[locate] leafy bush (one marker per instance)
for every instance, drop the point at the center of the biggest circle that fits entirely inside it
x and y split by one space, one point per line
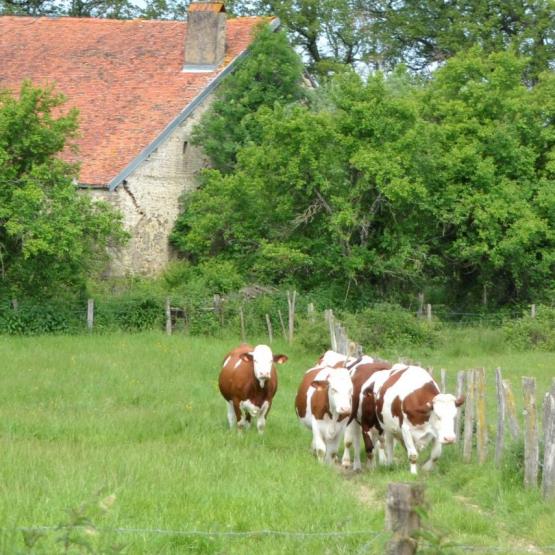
533 333
389 325
313 336
36 318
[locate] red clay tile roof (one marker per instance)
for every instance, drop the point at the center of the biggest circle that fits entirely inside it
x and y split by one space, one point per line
125 76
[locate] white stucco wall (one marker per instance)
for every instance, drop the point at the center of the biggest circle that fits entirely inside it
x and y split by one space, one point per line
149 200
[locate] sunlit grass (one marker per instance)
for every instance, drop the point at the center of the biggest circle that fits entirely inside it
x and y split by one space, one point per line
141 416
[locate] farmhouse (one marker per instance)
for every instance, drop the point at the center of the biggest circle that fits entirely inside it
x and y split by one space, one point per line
140 87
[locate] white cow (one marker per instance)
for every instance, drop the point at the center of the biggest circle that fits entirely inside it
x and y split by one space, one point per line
323 404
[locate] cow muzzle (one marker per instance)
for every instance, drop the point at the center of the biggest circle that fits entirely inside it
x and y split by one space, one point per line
448 439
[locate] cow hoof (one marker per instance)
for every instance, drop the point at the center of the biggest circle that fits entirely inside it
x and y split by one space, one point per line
346 466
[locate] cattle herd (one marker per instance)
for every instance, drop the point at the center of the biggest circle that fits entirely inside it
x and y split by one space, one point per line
346 397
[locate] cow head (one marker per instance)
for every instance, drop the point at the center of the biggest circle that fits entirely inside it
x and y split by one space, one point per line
340 391
444 408
263 360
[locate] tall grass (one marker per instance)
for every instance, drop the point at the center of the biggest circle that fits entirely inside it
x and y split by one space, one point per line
140 416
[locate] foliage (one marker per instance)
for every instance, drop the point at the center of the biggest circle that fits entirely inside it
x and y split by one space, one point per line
270 74
337 34
51 236
395 186
533 333
388 325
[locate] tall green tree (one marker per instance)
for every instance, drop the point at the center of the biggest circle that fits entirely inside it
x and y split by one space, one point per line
392 185
51 236
271 73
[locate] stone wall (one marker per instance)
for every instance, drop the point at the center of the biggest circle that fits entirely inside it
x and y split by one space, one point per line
149 201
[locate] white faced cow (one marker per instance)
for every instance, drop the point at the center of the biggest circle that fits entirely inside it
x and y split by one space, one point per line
323 405
248 382
405 402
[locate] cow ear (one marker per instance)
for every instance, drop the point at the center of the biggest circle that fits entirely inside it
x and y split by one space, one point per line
246 357
320 385
425 409
460 400
280 359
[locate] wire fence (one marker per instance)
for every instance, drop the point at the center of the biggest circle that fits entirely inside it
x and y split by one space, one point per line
260 313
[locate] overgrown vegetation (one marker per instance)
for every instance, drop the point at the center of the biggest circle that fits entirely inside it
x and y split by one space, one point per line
389 187
52 237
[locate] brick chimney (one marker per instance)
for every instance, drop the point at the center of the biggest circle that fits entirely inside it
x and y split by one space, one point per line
205 40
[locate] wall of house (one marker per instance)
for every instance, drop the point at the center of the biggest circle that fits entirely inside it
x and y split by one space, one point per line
149 201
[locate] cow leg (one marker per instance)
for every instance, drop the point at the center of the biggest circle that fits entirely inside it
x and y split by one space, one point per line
348 440
388 448
231 414
318 444
368 443
261 421
382 460
411 449
434 455
332 447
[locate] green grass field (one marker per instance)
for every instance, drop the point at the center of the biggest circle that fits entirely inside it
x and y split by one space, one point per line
141 417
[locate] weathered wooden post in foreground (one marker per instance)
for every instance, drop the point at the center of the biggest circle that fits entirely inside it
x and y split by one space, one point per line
401 518
458 394
531 448
500 440
481 420
548 477
269 326
328 315
468 417
510 407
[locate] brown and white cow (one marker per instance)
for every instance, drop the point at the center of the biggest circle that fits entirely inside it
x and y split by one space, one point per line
323 404
248 382
406 404
359 426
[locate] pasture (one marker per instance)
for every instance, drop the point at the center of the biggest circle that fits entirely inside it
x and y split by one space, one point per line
140 417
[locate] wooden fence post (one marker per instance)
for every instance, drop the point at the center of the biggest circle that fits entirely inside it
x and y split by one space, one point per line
500 439
90 314
401 518
546 414
443 380
218 309
458 394
429 312
330 319
242 320
291 305
468 417
533 311
168 317
420 304
269 325
311 312
548 477
15 305
282 325
481 420
531 448
510 407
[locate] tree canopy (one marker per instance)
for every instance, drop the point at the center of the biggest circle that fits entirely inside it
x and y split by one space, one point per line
51 236
393 185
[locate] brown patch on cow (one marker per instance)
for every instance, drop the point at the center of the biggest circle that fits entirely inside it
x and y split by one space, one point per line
397 409
360 376
237 381
300 399
340 364
390 382
415 404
